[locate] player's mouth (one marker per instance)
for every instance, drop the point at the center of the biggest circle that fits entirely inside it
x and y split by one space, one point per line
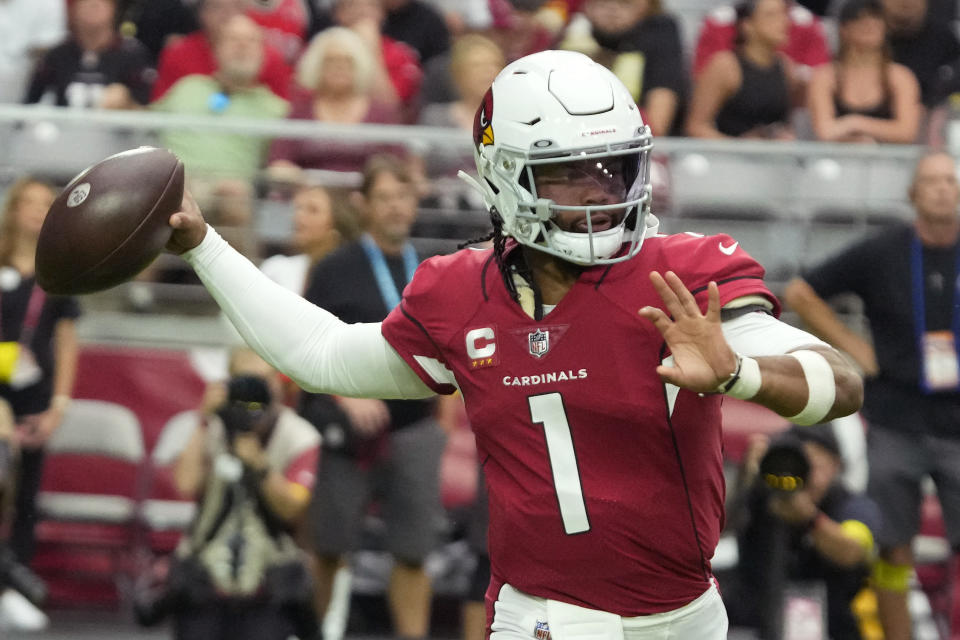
599 220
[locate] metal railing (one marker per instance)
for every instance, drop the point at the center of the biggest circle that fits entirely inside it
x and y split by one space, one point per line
787 202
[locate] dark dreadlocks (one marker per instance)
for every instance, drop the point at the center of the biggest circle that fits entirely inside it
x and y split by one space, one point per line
500 252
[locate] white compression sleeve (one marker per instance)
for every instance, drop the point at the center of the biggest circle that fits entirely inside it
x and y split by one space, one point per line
316 349
760 334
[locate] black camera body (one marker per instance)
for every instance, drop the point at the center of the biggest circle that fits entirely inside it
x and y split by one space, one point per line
238 419
247 407
785 467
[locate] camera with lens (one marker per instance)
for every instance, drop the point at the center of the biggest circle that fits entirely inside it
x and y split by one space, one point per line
785 467
247 405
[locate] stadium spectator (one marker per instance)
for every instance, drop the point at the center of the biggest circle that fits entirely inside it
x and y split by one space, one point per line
38 344
747 92
395 446
234 89
251 465
419 25
17 613
597 414
397 74
194 53
338 75
641 45
96 67
27 28
156 23
806 43
286 23
518 29
920 43
824 531
864 96
465 15
514 27
319 227
474 62
905 278
221 166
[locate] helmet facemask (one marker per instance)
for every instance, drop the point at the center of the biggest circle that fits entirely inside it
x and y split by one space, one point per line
585 206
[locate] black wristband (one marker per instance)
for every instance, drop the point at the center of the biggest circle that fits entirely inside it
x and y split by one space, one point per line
732 380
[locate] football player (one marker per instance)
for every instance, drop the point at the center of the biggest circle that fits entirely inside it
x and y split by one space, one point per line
592 352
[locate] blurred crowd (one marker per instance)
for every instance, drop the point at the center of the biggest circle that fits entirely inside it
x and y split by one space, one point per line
862 71
426 61
882 71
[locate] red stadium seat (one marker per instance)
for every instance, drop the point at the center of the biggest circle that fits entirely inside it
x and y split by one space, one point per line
87 504
164 512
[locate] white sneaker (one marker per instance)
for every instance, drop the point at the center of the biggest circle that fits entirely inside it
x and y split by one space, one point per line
19 614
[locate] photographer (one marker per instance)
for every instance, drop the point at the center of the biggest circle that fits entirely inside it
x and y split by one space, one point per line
238 573
796 522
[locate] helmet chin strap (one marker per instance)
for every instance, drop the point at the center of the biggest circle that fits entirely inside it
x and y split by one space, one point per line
577 245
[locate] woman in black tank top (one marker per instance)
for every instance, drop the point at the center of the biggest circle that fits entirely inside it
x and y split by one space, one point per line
864 96
746 92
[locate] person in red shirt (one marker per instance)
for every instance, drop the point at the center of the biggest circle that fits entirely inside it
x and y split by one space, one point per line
592 354
806 43
398 61
193 54
286 24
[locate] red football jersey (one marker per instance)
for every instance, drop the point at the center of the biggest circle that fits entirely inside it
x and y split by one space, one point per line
606 487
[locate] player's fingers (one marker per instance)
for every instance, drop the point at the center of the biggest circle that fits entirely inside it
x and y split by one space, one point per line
666 294
687 301
669 374
713 302
659 319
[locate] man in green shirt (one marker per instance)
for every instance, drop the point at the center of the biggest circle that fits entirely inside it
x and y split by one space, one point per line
232 91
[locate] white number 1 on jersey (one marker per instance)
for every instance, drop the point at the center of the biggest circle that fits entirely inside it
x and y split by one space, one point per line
549 411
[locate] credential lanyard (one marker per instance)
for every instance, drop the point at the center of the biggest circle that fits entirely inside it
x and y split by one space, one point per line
388 288
32 318
920 309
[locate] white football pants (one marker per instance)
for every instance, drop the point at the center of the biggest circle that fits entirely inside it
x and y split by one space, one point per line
518 616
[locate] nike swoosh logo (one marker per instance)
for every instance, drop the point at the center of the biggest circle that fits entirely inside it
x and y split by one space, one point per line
728 250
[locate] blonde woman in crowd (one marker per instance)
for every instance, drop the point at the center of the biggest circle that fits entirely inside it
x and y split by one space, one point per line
474 62
319 227
336 75
38 348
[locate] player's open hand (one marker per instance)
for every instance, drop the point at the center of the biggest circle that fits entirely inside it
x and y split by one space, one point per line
188 224
702 359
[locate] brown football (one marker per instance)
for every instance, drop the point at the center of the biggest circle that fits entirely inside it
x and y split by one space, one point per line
110 222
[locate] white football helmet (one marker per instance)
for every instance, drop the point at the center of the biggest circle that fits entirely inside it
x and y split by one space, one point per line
558 116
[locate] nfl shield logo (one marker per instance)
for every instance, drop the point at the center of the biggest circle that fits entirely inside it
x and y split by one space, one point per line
539 343
542 631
